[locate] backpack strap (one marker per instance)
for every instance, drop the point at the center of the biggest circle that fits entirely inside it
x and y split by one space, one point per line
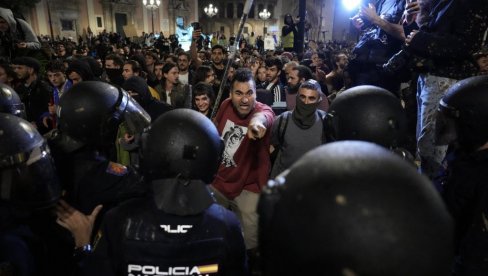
323 117
282 127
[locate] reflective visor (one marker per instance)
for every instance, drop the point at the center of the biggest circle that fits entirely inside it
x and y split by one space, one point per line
31 183
136 118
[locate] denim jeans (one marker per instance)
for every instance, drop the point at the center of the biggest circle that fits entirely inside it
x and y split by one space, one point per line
430 90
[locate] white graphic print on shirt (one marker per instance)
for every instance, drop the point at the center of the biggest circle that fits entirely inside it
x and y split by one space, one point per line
232 136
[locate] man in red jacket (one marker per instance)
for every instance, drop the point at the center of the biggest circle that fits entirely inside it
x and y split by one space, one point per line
243 123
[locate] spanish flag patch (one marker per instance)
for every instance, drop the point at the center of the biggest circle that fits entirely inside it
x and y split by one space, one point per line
116 169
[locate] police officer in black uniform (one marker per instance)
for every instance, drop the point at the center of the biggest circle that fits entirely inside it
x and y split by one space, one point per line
178 229
369 113
354 208
89 115
462 124
28 184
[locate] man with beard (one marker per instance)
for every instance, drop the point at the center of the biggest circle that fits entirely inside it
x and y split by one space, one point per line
335 79
296 77
113 68
243 123
34 93
293 138
274 65
218 57
186 75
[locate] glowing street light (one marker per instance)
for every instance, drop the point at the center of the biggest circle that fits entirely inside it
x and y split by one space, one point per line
264 15
211 11
351 4
152 5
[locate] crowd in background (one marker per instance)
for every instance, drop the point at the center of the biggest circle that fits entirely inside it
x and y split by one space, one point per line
270 107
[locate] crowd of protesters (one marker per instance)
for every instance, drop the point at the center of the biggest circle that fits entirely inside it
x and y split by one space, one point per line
269 106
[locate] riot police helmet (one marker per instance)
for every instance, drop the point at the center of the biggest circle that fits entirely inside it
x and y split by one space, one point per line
462 115
91 112
10 101
181 143
27 175
355 208
367 113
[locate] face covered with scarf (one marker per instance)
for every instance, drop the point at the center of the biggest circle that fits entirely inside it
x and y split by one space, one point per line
308 99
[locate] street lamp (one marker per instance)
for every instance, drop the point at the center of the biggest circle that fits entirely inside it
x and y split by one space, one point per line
211 11
264 15
152 5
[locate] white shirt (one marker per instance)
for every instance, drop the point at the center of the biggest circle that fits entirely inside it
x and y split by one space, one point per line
183 78
168 98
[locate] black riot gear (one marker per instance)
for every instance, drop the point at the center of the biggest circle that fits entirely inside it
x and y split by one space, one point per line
91 111
182 143
367 113
462 116
177 228
10 102
382 219
27 174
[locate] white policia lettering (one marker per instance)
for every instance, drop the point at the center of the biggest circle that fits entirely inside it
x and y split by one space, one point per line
180 229
147 270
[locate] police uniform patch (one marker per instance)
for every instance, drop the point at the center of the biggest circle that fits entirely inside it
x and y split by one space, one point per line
116 169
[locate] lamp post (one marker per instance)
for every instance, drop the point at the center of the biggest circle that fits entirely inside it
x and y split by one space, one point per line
152 5
264 15
210 10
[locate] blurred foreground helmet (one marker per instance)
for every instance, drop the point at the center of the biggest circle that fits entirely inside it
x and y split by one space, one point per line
27 174
367 113
10 102
354 208
91 112
182 143
462 116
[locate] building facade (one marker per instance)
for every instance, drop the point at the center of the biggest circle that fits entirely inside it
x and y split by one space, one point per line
75 18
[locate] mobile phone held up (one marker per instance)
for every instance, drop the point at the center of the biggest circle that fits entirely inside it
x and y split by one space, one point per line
196 25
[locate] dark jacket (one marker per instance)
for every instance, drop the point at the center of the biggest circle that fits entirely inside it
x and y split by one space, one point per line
36 99
180 95
466 196
454 32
